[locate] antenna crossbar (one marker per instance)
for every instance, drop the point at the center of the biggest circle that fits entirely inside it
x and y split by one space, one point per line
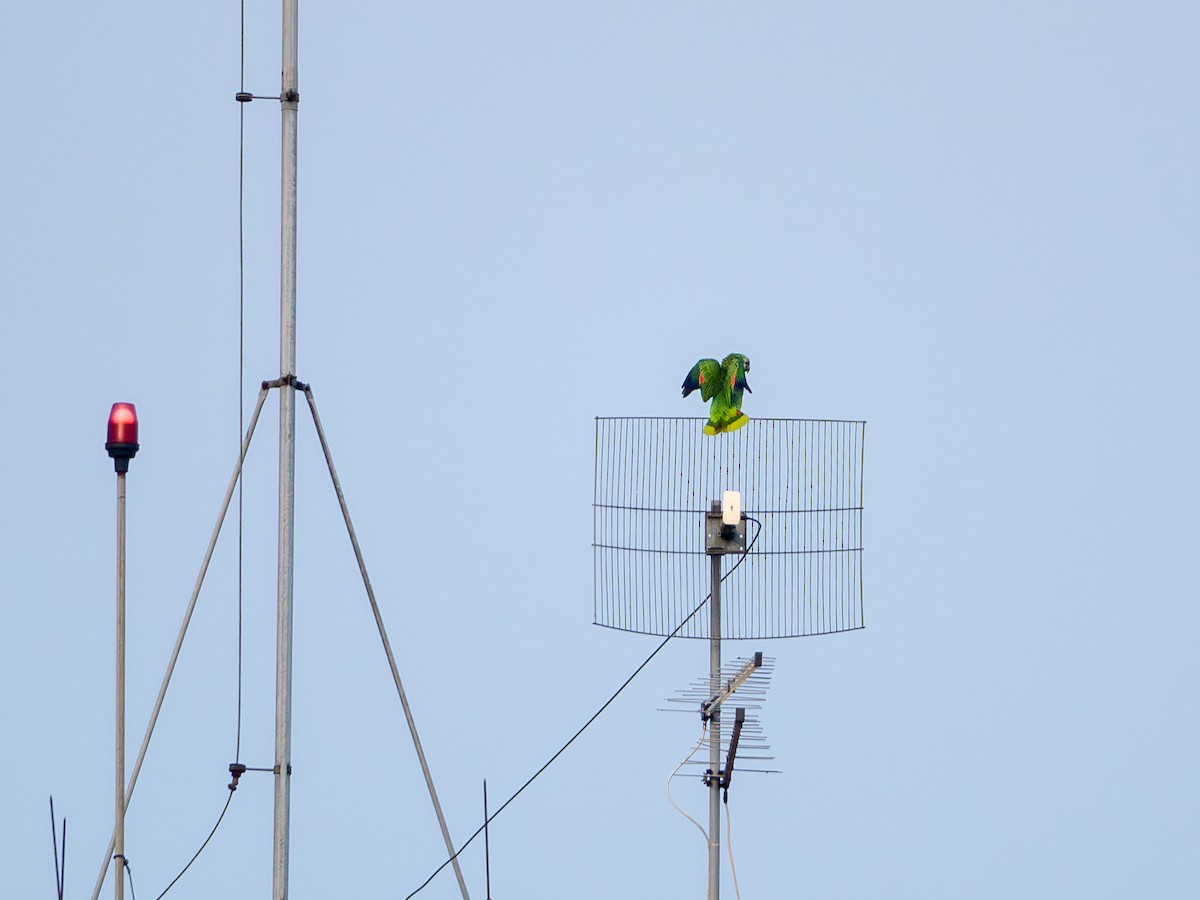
711 705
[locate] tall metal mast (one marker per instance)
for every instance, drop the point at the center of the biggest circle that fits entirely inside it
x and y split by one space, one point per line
289 97
724 532
714 729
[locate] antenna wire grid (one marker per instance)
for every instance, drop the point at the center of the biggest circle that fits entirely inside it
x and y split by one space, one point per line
655 479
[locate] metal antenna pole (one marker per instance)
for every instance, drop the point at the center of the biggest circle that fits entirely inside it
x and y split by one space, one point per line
119 845
289 97
714 730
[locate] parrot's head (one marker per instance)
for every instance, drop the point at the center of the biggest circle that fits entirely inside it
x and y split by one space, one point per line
741 365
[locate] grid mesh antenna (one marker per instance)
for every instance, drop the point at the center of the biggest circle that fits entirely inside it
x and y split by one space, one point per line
801 478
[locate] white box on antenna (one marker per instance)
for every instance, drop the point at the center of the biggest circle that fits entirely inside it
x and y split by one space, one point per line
723 531
731 508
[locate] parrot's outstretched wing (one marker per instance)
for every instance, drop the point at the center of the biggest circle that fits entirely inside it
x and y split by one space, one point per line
705 375
736 371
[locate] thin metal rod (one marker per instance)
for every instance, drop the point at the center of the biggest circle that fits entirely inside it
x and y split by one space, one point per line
387 646
60 874
119 825
487 847
714 744
289 96
187 618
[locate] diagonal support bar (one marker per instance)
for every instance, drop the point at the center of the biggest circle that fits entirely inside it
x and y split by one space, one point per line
738 722
187 618
387 646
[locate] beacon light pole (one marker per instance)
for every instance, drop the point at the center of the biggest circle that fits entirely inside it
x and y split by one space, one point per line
122 445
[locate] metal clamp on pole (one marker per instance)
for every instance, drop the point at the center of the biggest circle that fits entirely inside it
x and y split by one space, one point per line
237 770
725 526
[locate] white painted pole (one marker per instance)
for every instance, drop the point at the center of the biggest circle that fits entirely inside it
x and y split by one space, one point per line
289 102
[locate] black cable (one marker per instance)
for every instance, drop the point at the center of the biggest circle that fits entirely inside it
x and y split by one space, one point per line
129 872
202 846
60 876
594 716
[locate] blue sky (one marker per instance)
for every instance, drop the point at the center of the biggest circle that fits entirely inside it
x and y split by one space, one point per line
972 225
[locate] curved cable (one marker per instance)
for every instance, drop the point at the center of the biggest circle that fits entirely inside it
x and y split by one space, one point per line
678 628
202 846
60 875
729 845
682 762
129 872
728 818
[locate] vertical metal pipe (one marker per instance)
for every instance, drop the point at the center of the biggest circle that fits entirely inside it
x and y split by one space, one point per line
289 102
714 730
119 844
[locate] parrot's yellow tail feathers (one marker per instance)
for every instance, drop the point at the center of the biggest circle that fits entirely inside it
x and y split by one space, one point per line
717 428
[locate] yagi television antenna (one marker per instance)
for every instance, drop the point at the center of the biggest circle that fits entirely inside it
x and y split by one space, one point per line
666 496
749 678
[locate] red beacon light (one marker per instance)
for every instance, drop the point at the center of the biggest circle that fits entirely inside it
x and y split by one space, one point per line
122 442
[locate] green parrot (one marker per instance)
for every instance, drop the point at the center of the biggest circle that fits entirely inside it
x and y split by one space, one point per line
722 383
